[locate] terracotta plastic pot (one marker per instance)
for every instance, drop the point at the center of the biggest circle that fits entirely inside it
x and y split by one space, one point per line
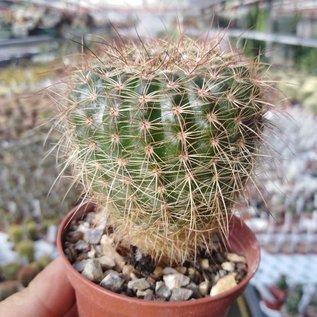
95 301
279 298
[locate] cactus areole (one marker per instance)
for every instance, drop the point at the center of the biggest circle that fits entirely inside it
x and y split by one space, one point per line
164 136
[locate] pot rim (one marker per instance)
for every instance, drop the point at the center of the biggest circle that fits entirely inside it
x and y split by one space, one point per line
87 283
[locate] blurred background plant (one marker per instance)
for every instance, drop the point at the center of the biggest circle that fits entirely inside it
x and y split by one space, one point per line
40 39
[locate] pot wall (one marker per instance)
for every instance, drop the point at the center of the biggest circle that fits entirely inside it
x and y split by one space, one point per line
95 301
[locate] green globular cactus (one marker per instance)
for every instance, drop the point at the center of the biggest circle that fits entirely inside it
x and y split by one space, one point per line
31 230
25 249
164 136
15 233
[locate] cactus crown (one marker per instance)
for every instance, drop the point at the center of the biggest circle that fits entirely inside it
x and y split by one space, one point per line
164 136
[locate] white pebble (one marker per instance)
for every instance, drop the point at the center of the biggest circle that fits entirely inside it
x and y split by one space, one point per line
224 283
233 257
177 280
204 287
228 266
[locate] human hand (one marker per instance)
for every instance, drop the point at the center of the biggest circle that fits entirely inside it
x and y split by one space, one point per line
48 295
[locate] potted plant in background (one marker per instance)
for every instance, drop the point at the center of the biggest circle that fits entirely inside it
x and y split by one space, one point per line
279 292
163 136
292 303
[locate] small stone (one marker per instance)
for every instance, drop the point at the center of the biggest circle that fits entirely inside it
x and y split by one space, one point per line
162 290
228 266
240 276
75 236
82 246
152 281
80 265
194 275
93 271
219 275
169 270
70 253
73 227
82 256
133 276
99 251
140 284
92 253
204 288
241 266
108 248
181 294
204 264
144 293
233 257
177 280
90 216
192 272
225 283
129 292
127 270
83 226
106 262
113 281
93 235
194 287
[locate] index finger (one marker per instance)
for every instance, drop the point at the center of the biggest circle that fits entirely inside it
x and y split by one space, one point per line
48 295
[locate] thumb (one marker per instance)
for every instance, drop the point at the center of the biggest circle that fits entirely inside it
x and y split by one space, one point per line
48 295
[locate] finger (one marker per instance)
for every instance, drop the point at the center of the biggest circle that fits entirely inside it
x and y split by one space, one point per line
72 312
48 295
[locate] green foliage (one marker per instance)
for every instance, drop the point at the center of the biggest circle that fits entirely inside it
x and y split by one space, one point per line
305 59
293 298
25 248
282 283
165 135
286 24
15 233
255 19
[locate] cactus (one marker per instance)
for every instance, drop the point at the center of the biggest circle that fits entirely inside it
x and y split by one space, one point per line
164 136
293 299
31 230
25 249
43 262
282 283
15 233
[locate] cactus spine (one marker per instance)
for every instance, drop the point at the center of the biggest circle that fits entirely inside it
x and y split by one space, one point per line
164 136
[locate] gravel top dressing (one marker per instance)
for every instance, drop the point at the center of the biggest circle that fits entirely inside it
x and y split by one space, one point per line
127 270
